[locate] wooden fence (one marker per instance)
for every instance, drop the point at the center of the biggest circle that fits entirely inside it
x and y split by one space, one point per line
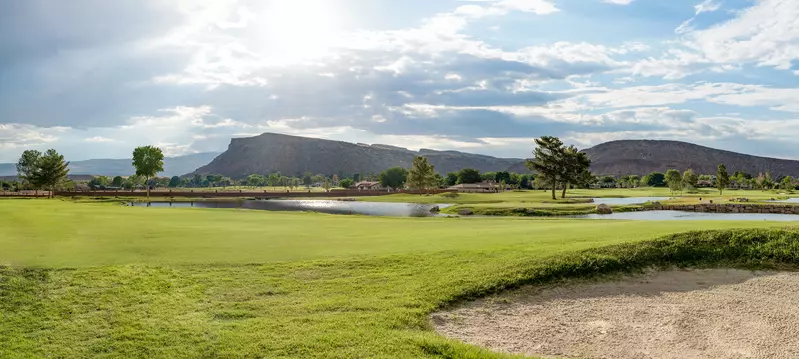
242 193
25 194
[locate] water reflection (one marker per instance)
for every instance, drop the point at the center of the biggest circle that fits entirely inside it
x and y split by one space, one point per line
628 200
692 216
789 200
322 206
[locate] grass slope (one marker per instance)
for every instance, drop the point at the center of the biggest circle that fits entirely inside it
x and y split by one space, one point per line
97 280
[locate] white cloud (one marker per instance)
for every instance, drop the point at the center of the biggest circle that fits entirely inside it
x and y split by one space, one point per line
18 135
765 34
707 6
618 2
99 139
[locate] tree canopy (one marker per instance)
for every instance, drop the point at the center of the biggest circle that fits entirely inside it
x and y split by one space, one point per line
422 175
345 183
148 161
451 179
722 179
51 170
42 170
557 164
27 166
174 181
655 179
573 168
674 180
546 161
469 175
393 177
689 179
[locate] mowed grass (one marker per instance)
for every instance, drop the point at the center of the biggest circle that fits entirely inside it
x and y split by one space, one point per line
106 281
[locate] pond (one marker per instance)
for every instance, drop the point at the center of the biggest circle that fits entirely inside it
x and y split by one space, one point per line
628 201
692 216
321 206
789 200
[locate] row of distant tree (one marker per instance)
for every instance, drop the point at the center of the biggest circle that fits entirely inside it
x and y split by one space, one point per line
688 180
49 171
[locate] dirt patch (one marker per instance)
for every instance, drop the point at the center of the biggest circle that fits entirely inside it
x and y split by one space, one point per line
716 313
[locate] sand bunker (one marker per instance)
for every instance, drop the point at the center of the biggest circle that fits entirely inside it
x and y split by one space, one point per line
717 313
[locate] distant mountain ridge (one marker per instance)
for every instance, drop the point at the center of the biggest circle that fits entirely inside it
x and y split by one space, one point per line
625 157
293 155
173 166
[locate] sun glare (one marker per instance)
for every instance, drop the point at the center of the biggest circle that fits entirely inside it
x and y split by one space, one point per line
295 30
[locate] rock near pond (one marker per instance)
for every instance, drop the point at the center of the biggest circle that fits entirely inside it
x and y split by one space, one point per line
465 212
604 209
435 209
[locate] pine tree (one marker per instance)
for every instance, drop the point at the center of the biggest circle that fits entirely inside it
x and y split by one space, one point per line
422 175
722 179
547 161
51 169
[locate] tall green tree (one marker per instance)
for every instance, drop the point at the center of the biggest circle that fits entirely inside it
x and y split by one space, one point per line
255 180
624 181
655 179
117 181
394 177
51 170
345 183
674 180
469 175
689 179
502 176
722 179
273 179
546 161
174 181
422 175
27 166
451 179
635 180
148 161
213 180
787 183
307 179
585 179
573 167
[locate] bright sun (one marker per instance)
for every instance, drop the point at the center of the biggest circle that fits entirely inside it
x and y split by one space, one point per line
294 30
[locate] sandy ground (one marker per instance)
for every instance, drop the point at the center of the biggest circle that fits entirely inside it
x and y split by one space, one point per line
717 313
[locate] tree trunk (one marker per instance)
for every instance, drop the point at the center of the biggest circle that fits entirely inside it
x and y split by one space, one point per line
147 185
563 194
553 190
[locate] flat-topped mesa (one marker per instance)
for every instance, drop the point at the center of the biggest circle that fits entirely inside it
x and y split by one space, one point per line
293 156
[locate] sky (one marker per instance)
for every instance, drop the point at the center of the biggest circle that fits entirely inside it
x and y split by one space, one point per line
96 78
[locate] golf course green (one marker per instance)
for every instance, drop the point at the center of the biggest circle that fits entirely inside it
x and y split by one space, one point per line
101 280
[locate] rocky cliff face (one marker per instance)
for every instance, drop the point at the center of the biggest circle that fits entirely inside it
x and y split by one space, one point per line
292 155
644 156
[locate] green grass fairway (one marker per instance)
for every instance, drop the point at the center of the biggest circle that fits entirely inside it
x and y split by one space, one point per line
105 281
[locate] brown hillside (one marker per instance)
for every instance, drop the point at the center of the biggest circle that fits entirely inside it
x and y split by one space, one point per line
292 155
644 156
